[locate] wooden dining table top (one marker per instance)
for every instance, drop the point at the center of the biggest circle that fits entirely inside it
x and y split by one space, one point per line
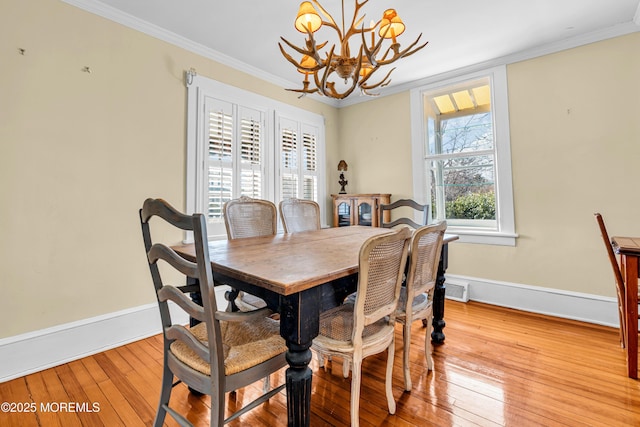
626 244
290 263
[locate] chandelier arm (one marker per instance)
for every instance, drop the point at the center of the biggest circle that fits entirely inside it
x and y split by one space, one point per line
372 53
330 21
289 57
354 27
322 85
382 83
312 52
294 47
304 90
401 54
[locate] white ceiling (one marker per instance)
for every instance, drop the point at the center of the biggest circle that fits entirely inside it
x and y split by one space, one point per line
245 33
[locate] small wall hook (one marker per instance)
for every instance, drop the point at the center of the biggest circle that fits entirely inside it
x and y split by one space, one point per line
87 70
21 51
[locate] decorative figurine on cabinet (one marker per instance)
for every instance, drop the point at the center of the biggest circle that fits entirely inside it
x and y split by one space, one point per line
342 166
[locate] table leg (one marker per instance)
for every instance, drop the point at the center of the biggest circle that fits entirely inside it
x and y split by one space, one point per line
437 336
299 325
630 271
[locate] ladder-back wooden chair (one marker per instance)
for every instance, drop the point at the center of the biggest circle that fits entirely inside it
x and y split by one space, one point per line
353 331
406 206
424 256
620 286
299 215
225 351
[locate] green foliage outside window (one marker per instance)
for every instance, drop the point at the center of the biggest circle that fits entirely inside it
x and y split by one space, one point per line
469 206
473 206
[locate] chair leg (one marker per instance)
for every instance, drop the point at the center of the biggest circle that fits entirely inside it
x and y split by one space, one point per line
405 352
345 367
355 390
267 384
165 395
427 342
217 407
623 332
389 380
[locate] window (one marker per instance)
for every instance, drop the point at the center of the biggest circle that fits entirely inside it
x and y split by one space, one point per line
299 160
462 161
226 123
243 144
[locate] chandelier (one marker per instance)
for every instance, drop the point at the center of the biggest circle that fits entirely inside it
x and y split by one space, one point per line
355 70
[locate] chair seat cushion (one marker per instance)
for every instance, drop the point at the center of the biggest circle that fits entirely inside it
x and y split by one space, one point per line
336 325
420 301
246 344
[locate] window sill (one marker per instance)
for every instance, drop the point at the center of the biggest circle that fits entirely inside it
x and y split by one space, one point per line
483 237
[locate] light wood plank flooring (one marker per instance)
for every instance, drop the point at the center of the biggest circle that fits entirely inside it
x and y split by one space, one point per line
497 367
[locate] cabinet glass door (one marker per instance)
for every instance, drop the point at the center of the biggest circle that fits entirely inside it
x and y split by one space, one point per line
364 214
344 214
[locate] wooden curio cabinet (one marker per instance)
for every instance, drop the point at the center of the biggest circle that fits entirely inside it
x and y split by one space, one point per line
357 209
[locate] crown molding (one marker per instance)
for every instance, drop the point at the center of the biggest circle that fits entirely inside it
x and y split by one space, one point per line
547 49
98 8
130 21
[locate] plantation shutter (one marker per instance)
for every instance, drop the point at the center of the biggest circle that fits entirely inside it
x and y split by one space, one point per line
234 165
251 137
298 160
309 163
219 123
289 159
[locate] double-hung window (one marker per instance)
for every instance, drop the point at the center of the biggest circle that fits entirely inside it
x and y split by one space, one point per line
462 161
243 144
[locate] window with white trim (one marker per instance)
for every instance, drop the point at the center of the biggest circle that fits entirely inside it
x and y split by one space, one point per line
243 144
299 159
462 160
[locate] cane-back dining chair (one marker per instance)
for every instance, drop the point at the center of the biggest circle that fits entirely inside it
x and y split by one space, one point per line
424 256
353 331
247 217
405 206
299 215
620 286
222 353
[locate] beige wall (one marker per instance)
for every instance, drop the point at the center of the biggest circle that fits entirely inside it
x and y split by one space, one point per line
376 144
575 141
80 152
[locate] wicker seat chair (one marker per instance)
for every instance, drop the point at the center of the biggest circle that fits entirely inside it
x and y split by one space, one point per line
222 353
424 256
247 217
299 215
353 331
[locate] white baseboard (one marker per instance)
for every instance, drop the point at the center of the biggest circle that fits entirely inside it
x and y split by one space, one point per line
553 302
35 351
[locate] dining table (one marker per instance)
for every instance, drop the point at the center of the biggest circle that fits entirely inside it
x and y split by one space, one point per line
628 248
298 275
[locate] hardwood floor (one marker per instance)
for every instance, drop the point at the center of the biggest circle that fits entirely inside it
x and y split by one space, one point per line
497 367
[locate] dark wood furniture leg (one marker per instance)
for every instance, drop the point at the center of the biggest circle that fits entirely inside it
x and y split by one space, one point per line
299 325
437 336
